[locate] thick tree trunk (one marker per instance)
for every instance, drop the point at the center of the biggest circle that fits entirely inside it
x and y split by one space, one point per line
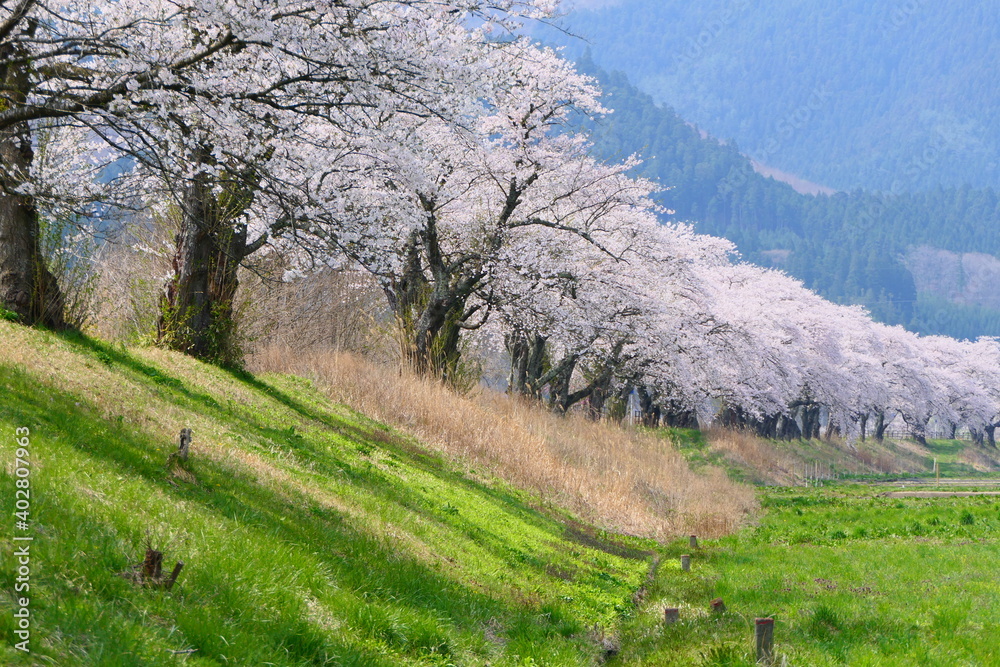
431 305
598 398
435 347
27 287
991 438
918 431
676 416
863 425
527 363
649 411
197 307
787 428
559 384
732 418
880 426
810 422
831 429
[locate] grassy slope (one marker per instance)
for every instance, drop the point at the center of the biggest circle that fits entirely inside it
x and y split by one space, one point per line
311 535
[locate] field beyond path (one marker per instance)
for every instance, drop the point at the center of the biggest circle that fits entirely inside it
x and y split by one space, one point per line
850 576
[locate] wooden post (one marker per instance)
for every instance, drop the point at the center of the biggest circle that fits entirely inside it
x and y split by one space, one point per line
182 450
169 583
686 563
937 471
764 636
718 606
694 541
671 615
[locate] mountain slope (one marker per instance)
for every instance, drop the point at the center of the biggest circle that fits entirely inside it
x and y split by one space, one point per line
887 95
854 247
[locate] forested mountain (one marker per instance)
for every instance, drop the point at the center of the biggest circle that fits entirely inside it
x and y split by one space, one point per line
852 247
891 95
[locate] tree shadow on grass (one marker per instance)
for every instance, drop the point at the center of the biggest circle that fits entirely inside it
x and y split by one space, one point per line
357 560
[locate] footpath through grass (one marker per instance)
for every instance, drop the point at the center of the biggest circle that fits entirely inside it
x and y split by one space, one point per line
850 577
311 535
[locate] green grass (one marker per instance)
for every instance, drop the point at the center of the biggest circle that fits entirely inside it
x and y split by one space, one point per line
311 535
850 577
692 444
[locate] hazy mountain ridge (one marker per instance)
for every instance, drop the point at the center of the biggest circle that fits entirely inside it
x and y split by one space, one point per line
852 247
905 88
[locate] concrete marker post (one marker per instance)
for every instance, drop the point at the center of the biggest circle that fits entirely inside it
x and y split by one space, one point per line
686 563
764 639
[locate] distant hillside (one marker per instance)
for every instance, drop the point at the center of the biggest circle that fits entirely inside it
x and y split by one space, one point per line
852 247
890 95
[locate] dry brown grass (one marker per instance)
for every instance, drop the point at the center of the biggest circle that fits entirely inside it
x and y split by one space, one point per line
983 460
621 479
745 450
792 463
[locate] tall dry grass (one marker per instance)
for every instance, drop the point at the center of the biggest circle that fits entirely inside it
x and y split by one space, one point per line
620 479
617 478
745 450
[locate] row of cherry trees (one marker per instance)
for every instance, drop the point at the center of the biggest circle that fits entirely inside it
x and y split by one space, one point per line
426 142
681 326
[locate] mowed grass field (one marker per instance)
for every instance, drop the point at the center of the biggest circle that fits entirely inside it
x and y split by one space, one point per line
850 576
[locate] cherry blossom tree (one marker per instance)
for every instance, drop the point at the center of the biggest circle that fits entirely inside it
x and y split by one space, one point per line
141 74
434 207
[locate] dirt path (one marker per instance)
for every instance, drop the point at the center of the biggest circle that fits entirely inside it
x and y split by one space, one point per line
930 481
938 494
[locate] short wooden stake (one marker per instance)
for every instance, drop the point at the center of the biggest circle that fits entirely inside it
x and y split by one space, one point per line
169 583
764 636
694 541
671 615
718 606
185 444
686 563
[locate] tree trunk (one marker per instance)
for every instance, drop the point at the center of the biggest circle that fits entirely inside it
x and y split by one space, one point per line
991 435
918 430
649 411
527 363
27 287
431 303
831 428
787 428
880 426
863 425
676 416
810 422
599 396
197 307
